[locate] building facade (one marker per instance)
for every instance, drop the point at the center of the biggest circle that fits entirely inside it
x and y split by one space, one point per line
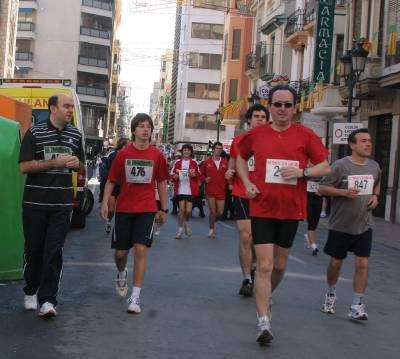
195 95
8 32
83 51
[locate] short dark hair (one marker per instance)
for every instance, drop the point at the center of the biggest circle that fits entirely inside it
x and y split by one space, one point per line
256 107
217 144
352 137
189 147
282 88
138 119
53 101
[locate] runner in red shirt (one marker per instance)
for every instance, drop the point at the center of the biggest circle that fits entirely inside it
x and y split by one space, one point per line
137 167
256 116
186 186
277 190
213 170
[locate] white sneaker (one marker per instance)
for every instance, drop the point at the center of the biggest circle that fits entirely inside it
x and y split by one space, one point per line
188 230
30 302
121 284
211 234
306 241
134 305
47 310
357 312
329 304
179 235
323 214
264 336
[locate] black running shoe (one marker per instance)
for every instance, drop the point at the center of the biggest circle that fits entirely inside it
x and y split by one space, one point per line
247 288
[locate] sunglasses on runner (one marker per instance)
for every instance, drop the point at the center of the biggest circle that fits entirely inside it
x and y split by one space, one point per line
284 104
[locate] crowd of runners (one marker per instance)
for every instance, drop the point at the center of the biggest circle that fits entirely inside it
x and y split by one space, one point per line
277 173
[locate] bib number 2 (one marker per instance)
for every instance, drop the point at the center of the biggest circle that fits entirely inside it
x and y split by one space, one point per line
273 171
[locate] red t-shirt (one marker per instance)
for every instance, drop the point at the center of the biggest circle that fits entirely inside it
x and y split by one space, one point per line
295 146
138 170
218 182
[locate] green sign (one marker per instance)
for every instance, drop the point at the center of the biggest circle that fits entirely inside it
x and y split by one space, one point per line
324 39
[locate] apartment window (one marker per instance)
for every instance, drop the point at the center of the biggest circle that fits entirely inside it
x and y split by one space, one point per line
25 17
233 90
222 97
203 91
207 31
201 121
164 66
162 83
236 44
226 47
205 61
338 55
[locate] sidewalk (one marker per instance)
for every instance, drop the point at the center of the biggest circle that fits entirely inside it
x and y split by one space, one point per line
385 233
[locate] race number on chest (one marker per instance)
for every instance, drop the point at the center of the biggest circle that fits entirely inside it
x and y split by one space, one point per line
273 171
183 175
363 183
52 152
139 171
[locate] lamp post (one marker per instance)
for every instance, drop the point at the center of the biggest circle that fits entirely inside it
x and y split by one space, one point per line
218 120
353 64
254 98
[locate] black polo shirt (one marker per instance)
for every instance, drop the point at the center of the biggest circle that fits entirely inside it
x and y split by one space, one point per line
51 189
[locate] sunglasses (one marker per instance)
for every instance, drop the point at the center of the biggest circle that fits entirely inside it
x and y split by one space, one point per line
284 104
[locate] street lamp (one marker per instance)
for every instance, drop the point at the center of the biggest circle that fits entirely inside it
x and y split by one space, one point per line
254 98
218 120
353 64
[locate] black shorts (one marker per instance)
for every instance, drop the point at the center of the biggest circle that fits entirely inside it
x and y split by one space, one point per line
184 197
339 243
131 228
241 208
277 231
314 208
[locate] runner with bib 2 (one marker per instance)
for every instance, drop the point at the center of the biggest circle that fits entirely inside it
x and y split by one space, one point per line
277 192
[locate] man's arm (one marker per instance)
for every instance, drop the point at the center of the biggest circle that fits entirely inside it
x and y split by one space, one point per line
327 190
108 189
319 170
242 168
36 166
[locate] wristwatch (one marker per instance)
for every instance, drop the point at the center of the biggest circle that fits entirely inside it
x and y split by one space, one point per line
164 210
305 172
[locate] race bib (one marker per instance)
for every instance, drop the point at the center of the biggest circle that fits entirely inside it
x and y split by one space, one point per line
52 152
363 183
183 175
312 186
251 164
273 171
138 171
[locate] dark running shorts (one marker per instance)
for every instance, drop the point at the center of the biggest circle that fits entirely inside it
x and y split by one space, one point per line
184 197
339 243
314 208
241 208
277 231
131 228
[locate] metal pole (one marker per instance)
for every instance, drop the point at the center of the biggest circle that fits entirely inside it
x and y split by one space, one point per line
350 101
218 124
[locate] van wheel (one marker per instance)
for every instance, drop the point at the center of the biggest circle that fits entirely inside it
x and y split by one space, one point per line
78 219
89 202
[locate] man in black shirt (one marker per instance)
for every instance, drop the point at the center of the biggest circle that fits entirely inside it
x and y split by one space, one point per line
49 152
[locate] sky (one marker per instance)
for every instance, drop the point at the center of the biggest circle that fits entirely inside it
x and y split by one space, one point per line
147 30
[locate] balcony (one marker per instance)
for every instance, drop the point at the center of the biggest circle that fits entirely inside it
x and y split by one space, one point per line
28 4
95 36
91 94
266 67
296 35
25 30
92 65
24 61
97 7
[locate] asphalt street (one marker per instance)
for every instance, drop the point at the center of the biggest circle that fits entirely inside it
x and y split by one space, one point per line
191 308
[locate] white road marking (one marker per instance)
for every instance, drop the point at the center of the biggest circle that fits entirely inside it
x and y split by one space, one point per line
295 259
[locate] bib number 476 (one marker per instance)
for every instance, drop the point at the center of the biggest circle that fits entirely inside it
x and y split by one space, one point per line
138 171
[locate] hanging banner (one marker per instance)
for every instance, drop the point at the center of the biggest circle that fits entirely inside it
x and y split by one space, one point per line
324 38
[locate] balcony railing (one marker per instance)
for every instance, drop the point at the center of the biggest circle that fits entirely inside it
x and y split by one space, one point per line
92 61
104 5
251 61
88 31
309 13
266 67
295 23
25 26
23 56
90 90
